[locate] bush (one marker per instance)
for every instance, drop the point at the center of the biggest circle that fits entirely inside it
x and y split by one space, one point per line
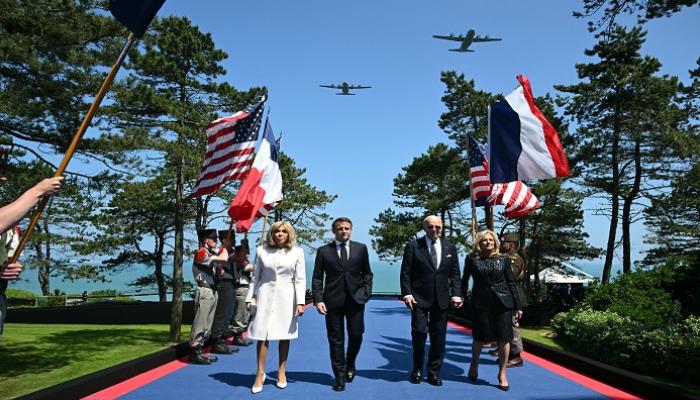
51 301
20 297
620 341
641 296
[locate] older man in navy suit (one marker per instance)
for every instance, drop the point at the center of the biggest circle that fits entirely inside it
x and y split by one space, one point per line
429 283
342 284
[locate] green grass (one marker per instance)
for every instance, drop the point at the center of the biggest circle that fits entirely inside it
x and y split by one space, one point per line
542 335
34 356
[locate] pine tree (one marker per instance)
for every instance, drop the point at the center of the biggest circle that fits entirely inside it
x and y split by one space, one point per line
172 93
303 204
434 183
622 147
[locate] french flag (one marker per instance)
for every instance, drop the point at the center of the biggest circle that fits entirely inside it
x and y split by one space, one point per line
522 143
261 190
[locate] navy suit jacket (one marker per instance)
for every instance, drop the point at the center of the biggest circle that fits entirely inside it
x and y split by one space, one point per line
332 280
426 283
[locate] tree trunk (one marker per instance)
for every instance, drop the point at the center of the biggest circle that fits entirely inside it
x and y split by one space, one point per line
176 309
42 270
160 279
627 209
488 217
614 196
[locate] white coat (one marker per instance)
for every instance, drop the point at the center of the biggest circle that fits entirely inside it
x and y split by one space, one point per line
277 285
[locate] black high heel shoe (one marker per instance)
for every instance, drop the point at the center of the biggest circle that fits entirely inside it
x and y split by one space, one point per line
504 388
471 377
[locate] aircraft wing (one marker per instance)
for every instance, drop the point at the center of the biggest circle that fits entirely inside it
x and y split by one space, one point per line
330 86
485 39
359 87
451 37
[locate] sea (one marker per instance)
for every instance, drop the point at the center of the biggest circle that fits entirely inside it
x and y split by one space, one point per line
386 279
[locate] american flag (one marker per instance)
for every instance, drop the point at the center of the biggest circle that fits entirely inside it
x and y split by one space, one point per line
478 173
516 196
230 147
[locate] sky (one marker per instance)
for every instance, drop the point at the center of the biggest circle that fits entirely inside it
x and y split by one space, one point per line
354 146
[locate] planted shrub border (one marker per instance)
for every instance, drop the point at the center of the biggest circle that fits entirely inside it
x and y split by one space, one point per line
623 342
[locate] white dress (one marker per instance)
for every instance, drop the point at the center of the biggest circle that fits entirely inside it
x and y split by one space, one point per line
278 284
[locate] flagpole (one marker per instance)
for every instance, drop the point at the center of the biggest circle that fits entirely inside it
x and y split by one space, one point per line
231 236
76 139
262 235
488 142
471 193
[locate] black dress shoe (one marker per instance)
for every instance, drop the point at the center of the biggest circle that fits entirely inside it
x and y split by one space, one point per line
339 385
415 376
350 375
434 380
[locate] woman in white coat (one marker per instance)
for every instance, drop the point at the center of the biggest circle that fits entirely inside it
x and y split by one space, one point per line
276 297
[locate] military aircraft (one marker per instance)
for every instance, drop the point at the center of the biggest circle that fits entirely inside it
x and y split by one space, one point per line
345 88
467 40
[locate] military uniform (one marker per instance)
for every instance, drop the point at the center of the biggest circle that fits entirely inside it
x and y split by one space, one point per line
205 299
518 268
241 315
8 243
226 278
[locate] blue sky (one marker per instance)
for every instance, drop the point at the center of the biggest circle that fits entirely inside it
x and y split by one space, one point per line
354 146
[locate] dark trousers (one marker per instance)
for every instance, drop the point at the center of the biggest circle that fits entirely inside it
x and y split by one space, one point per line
335 326
431 321
224 309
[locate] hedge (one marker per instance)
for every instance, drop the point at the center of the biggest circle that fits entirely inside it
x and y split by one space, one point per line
629 344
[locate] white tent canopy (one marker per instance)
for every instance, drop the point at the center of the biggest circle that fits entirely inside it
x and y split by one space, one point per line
564 273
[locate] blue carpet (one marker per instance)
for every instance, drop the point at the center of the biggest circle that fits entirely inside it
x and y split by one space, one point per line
383 366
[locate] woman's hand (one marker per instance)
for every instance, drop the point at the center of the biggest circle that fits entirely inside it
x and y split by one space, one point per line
518 314
300 310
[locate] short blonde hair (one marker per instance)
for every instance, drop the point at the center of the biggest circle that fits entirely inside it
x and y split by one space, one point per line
278 226
479 236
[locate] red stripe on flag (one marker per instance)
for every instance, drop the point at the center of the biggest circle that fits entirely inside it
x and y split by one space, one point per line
230 118
235 153
561 164
214 174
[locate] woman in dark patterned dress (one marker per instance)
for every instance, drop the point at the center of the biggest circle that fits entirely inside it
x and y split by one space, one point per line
494 299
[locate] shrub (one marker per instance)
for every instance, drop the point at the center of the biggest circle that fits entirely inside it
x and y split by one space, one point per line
640 296
620 341
51 301
20 297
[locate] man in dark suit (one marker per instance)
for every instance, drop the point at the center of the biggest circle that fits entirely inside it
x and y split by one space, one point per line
429 283
342 284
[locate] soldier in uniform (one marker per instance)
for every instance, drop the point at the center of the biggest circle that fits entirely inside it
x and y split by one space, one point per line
241 316
205 299
226 278
509 247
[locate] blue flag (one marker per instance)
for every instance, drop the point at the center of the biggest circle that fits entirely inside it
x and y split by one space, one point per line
135 15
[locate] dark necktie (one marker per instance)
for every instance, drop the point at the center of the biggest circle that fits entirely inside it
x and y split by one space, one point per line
343 253
433 254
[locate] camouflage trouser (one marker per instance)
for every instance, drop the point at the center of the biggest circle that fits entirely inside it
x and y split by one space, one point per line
239 323
3 310
204 309
516 345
